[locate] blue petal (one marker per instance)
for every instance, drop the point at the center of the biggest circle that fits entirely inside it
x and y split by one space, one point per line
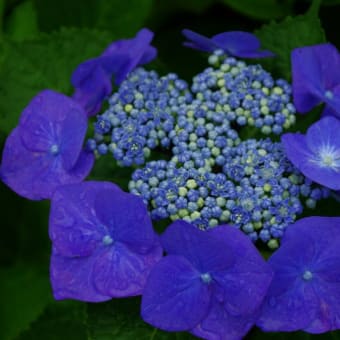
229 257
175 298
219 323
92 78
73 225
307 161
43 151
137 51
121 272
126 218
20 169
315 69
52 118
294 302
334 100
311 230
293 310
328 111
149 55
324 132
237 43
240 44
71 278
94 86
36 175
198 41
328 274
246 282
182 238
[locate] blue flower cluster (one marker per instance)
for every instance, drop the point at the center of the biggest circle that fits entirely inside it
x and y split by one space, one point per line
217 188
140 116
246 94
200 135
213 176
257 190
149 111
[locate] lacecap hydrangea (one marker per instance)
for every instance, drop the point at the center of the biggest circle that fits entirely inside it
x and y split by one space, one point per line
214 158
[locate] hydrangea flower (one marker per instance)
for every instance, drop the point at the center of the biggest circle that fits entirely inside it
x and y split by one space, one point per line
257 189
200 134
238 44
244 94
316 77
305 290
210 282
103 242
317 154
140 116
92 78
45 149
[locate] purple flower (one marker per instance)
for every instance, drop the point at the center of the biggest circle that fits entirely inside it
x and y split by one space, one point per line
238 44
103 242
92 78
316 77
317 154
305 290
45 149
211 282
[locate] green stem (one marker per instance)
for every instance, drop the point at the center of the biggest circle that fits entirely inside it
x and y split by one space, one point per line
314 8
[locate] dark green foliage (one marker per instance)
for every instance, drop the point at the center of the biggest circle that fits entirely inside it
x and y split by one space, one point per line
24 292
60 320
263 9
282 37
122 18
44 62
120 320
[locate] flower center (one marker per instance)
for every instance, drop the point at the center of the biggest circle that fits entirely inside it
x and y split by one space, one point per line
307 275
206 278
54 149
329 94
329 157
328 160
107 240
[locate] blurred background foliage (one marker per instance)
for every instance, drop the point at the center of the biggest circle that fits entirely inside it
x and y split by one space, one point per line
41 42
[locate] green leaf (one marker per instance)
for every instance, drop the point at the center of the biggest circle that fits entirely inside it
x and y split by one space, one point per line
262 9
24 293
45 62
24 225
22 23
24 254
60 320
281 38
123 18
120 320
